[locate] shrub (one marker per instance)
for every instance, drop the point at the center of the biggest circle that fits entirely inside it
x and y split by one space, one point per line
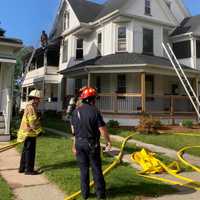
15 125
113 124
148 125
187 123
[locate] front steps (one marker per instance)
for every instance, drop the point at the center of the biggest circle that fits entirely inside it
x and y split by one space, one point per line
3 137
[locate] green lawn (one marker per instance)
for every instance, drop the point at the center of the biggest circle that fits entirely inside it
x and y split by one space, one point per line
55 123
55 158
172 141
5 191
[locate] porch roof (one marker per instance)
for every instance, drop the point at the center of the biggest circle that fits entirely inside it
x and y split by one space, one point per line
123 60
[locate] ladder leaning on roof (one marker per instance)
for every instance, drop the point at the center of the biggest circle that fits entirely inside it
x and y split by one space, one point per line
28 64
183 78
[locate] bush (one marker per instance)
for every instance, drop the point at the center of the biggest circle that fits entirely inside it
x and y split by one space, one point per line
113 124
148 125
187 123
52 114
15 125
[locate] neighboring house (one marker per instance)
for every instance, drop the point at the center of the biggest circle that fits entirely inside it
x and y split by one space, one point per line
8 49
117 48
42 74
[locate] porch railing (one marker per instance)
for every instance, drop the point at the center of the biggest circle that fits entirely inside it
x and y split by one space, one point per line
155 104
119 103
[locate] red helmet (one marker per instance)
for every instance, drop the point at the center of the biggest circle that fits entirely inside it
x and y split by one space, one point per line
88 92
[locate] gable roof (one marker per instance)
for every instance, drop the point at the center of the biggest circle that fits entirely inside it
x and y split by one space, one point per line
188 25
110 6
86 11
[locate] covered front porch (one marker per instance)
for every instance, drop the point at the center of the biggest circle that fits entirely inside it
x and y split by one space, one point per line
127 91
127 96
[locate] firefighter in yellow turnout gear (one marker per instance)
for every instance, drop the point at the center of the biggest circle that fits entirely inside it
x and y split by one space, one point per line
30 128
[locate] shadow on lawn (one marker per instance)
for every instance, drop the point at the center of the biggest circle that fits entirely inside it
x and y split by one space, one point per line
62 165
146 190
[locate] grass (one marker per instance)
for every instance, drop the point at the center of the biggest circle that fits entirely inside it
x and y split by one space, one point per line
171 141
5 191
55 123
55 158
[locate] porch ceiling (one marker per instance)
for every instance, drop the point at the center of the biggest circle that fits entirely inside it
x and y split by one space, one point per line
125 63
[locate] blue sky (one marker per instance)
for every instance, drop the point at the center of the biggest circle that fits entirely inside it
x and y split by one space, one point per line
25 19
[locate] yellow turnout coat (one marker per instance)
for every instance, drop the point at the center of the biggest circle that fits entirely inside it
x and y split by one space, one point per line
30 124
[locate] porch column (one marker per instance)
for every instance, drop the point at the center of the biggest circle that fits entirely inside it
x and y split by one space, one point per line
27 93
197 91
143 91
89 80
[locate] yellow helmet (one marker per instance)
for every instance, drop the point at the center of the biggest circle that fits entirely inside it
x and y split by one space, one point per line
36 93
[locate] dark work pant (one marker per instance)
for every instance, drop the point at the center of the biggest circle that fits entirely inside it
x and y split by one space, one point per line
28 155
86 156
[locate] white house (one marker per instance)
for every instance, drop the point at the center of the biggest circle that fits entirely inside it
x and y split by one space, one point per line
8 50
117 48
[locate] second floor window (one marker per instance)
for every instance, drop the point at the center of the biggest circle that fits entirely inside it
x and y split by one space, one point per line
79 49
65 51
198 48
148 41
147 7
65 20
122 40
98 84
99 43
121 83
182 49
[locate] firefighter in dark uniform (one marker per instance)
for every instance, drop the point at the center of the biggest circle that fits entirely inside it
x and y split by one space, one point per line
88 125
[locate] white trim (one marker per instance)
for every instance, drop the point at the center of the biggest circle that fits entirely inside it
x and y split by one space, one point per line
10 44
4 60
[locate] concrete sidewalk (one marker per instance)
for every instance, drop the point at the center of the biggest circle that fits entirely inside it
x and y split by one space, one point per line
26 187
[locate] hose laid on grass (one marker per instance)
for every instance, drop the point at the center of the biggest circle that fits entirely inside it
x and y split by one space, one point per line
190 183
116 162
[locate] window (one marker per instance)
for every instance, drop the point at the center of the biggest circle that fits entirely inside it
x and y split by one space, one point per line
147 7
79 49
65 51
121 84
198 48
148 41
182 49
99 43
65 20
149 84
78 85
98 84
122 39
24 94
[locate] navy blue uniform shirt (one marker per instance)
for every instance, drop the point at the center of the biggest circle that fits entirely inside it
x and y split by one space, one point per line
86 121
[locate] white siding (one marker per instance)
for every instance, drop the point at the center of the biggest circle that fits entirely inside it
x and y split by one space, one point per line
158 12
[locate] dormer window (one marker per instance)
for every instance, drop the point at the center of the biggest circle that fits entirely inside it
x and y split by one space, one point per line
122 39
99 43
79 49
65 51
147 7
65 20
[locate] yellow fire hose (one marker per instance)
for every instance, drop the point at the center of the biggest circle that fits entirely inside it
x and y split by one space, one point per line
10 146
155 166
116 161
